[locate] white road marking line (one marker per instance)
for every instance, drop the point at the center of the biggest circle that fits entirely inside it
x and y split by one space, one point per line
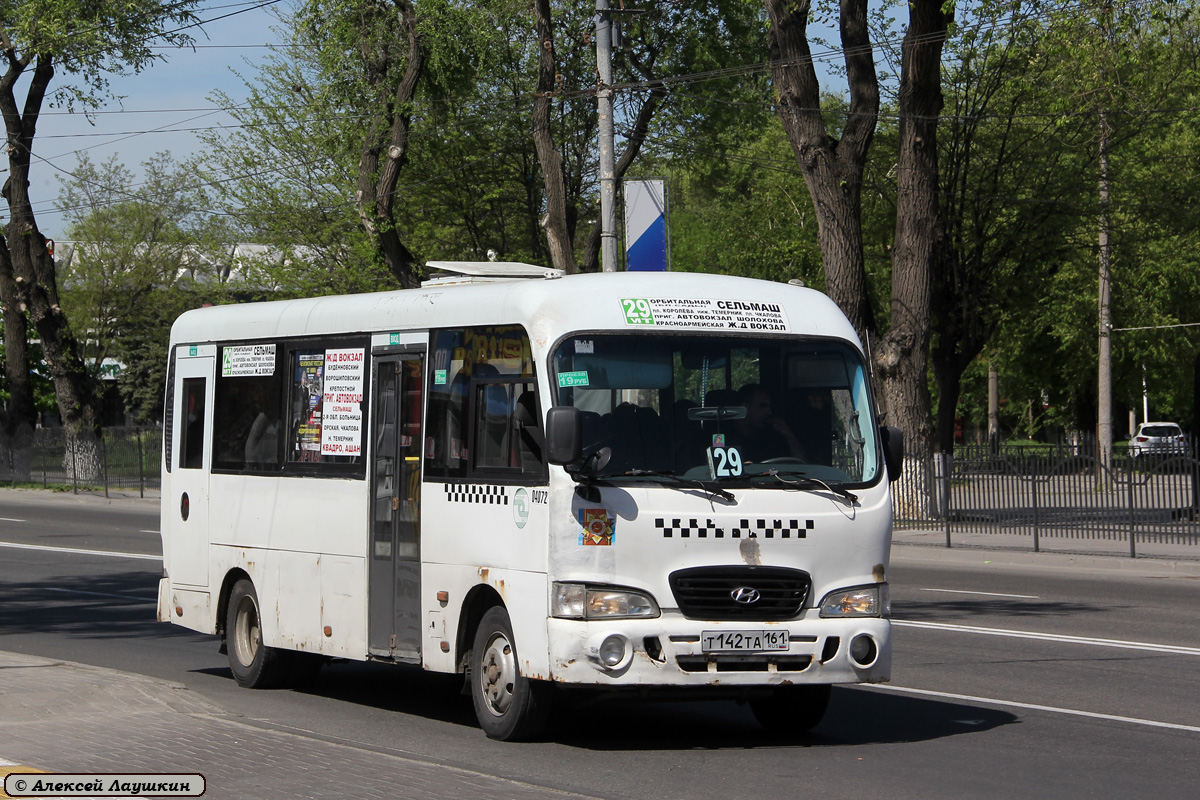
10 519
1051 637
985 594
110 553
103 594
1035 707
149 531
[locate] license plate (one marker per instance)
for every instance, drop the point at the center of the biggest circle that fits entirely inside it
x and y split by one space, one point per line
743 641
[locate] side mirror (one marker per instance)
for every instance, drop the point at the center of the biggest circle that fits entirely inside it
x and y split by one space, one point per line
892 439
564 435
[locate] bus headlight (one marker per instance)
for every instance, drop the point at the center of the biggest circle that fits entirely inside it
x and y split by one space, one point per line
858 601
581 601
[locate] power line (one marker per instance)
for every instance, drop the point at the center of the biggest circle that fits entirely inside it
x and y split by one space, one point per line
200 23
1157 327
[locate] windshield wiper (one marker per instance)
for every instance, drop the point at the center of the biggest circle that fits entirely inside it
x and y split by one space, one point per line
672 479
587 483
799 480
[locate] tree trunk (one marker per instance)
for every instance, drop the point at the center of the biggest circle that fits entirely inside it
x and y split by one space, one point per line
903 355
377 181
33 268
949 383
833 168
18 420
558 238
82 459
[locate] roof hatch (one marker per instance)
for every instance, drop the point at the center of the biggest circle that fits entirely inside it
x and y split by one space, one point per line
456 272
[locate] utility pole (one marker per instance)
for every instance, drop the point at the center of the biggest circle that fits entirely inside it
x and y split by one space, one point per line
608 182
993 429
1104 421
1104 426
1145 398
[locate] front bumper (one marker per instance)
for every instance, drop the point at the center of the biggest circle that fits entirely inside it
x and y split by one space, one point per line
667 652
1158 448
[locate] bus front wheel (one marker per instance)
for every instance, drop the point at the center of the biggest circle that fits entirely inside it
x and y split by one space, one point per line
509 706
254 665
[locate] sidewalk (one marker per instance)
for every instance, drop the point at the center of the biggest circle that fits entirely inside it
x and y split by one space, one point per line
1154 559
62 717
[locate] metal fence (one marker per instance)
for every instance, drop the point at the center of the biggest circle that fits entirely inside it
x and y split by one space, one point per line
1053 491
124 459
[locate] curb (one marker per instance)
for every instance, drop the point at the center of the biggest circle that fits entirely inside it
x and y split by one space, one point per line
984 556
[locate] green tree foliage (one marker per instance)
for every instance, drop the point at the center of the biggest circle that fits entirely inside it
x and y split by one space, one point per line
134 263
1144 78
287 178
85 41
1010 175
290 173
746 214
472 181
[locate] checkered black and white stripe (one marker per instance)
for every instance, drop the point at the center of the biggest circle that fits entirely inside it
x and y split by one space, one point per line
706 528
476 493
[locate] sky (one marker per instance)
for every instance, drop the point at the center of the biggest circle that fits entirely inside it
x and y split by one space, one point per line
157 105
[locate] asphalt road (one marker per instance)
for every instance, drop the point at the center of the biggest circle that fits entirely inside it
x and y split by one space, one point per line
1006 682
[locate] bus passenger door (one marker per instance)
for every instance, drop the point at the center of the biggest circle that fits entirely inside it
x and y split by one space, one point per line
191 459
395 568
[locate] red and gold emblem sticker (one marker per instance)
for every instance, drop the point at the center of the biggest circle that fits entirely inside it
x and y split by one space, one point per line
598 527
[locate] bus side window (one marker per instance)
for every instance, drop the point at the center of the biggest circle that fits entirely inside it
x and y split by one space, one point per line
507 434
191 431
530 440
247 409
321 439
493 426
476 377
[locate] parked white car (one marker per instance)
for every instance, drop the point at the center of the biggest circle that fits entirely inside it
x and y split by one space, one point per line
1153 438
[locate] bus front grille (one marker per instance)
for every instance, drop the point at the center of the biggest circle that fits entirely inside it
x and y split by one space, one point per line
761 663
740 593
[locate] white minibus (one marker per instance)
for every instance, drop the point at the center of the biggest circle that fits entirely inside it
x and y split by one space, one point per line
655 483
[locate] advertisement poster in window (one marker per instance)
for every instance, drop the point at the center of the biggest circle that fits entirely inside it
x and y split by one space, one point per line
310 388
341 422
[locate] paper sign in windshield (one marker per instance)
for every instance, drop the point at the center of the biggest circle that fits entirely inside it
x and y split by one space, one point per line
569 379
694 312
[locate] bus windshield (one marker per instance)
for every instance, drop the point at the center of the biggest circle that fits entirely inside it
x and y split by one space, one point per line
766 411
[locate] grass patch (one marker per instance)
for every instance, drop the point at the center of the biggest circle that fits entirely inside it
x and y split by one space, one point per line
54 487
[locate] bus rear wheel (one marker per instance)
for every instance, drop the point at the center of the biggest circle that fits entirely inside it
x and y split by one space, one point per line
792 709
509 706
254 665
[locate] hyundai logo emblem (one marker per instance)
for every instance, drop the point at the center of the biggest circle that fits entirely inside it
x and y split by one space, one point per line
745 595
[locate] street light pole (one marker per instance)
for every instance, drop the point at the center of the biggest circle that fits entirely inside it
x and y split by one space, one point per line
608 183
